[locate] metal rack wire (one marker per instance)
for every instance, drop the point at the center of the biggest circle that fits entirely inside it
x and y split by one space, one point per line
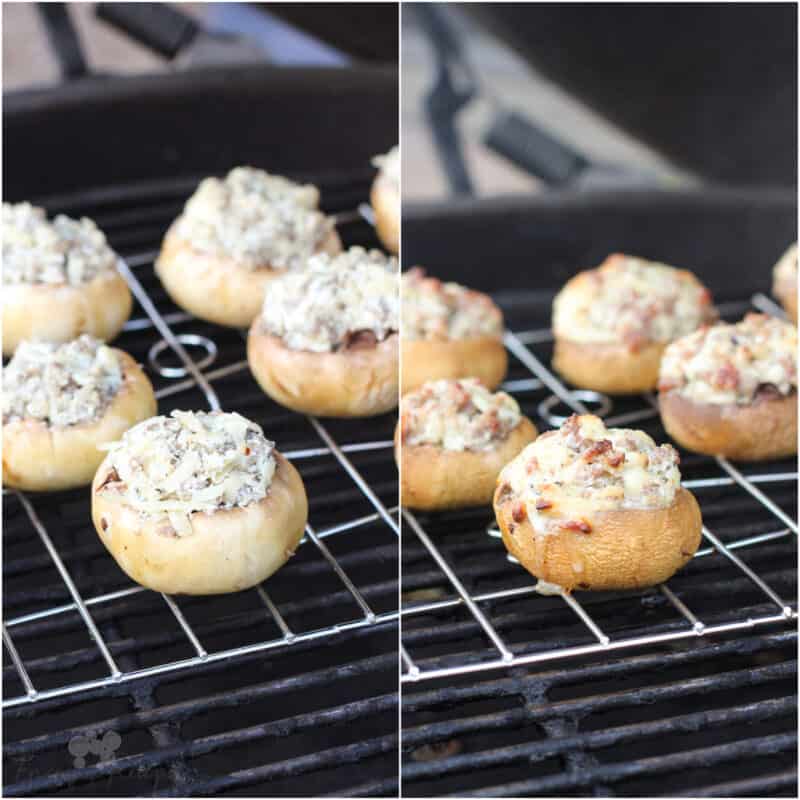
181 380
500 653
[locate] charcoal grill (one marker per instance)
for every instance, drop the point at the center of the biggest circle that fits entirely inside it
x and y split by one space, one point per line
686 688
286 689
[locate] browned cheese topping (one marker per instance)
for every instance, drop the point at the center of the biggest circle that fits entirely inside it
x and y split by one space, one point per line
436 310
631 301
457 415
567 475
733 363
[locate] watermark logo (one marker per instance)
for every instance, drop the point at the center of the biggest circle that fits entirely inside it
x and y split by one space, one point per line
104 747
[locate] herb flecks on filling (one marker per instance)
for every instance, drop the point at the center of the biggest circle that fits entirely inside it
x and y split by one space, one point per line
191 462
457 415
256 219
61 384
336 302
62 251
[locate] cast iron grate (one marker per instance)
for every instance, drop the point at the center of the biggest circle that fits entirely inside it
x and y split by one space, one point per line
194 687
467 612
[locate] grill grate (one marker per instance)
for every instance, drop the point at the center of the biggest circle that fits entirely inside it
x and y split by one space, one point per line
193 686
469 610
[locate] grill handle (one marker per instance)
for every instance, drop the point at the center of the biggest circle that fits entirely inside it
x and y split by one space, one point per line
532 149
158 26
64 39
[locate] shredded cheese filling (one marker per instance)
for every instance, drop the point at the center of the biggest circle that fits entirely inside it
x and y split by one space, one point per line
566 475
436 310
335 302
191 462
733 363
61 251
457 415
631 301
61 384
256 219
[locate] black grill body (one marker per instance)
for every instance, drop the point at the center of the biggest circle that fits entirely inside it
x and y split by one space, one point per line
263 713
684 690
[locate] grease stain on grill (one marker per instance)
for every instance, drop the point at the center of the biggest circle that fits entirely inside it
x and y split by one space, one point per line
437 751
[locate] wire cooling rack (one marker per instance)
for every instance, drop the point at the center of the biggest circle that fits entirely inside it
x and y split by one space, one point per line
188 375
425 600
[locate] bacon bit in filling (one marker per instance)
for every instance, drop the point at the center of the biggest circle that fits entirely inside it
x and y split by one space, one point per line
615 459
597 449
578 525
542 504
727 377
518 513
505 491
